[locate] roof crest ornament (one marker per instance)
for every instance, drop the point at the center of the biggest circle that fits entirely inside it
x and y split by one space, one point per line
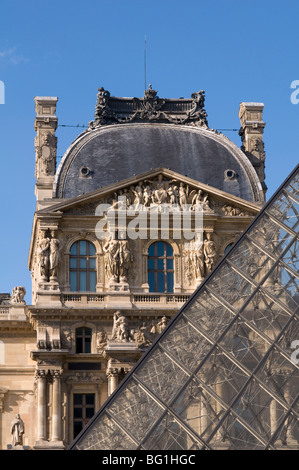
113 110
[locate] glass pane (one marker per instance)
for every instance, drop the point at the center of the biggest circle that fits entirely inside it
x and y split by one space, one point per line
151 281
89 412
160 264
83 247
78 399
151 264
151 250
106 435
73 281
73 262
231 286
89 399
169 251
73 250
137 419
92 263
87 345
158 373
83 263
170 435
161 282
270 235
77 412
92 281
79 345
92 250
83 286
160 248
170 282
286 210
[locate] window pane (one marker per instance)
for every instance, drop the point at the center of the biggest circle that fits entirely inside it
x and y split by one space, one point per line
151 281
92 263
151 264
169 251
79 345
92 281
83 286
151 250
89 399
87 344
77 412
77 399
161 264
160 248
73 281
170 282
83 263
161 282
92 250
170 264
74 249
89 412
83 247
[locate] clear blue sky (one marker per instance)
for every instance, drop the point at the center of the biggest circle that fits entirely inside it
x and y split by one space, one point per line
235 50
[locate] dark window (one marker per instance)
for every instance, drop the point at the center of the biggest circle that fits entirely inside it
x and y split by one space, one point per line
83 340
160 267
83 274
84 409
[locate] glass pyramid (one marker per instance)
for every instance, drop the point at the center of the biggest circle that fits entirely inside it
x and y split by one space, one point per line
224 374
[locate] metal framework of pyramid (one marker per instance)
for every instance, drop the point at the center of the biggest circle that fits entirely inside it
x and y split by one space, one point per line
224 374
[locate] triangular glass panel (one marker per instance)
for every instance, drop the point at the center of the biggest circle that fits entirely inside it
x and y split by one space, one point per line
224 373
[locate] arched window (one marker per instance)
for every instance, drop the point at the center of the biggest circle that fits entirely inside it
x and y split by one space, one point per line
83 274
83 340
160 267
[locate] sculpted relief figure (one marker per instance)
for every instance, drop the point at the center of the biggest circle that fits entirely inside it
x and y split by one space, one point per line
48 256
117 259
43 255
54 257
17 430
209 252
121 330
18 294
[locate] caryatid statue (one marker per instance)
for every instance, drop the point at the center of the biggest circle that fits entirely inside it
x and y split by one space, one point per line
209 252
43 256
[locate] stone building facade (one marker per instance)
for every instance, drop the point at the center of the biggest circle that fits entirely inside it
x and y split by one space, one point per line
141 208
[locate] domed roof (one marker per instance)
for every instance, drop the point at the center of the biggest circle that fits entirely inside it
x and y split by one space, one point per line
103 156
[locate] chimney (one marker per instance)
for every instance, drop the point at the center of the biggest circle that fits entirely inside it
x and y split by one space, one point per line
45 146
251 132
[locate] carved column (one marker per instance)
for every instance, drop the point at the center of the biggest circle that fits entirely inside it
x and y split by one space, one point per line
41 378
112 375
56 405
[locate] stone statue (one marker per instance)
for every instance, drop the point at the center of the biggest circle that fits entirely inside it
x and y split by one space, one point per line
43 255
121 331
111 250
54 257
125 257
199 264
209 252
18 294
118 257
17 430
